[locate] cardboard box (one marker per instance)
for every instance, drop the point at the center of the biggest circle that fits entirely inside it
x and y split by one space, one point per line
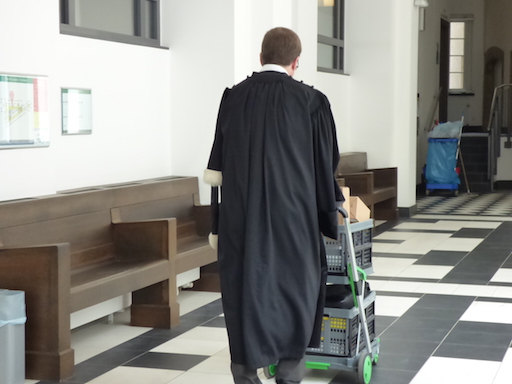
358 210
346 204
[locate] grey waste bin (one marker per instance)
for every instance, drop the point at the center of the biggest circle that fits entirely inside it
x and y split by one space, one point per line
12 336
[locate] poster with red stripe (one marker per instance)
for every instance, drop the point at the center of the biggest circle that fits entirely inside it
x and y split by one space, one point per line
24 115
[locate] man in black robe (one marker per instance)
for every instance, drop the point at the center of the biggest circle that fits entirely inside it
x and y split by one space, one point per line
274 155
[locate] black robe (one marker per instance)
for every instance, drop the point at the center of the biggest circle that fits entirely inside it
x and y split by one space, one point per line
276 147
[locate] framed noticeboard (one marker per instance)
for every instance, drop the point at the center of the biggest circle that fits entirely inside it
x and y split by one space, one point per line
76 111
24 117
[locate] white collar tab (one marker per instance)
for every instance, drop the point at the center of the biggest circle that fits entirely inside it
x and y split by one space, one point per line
273 67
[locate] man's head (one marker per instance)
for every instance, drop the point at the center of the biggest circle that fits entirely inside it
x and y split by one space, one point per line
281 46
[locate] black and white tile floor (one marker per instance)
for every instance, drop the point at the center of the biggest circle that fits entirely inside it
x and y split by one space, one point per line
444 310
490 204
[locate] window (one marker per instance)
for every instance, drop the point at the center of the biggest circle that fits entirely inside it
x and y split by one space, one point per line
331 24
125 21
460 47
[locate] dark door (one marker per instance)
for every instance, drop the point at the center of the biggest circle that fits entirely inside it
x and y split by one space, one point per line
444 70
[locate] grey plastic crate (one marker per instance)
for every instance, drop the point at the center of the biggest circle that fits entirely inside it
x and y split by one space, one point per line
340 330
337 253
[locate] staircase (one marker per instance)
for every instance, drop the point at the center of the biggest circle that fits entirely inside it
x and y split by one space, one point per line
474 159
480 147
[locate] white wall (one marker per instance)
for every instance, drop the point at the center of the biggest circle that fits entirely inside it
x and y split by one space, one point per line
498 14
201 41
504 163
155 110
337 89
381 60
369 62
130 94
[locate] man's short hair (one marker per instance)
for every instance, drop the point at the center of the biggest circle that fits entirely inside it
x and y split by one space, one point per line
280 46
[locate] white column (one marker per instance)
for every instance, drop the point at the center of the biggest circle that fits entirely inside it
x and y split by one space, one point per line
404 94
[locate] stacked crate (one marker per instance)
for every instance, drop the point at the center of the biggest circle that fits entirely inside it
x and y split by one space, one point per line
337 250
342 334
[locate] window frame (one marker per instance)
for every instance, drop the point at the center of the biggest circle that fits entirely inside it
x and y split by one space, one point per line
467 56
68 25
337 43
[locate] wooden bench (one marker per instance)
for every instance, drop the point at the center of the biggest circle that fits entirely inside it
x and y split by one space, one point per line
75 249
377 188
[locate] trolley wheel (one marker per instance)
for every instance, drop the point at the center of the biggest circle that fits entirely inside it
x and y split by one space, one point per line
269 371
364 369
375 360
427 192
455 193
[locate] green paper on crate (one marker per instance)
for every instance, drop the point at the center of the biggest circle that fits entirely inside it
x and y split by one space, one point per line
363 276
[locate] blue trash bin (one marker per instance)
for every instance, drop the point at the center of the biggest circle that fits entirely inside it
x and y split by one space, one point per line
12 336
441 165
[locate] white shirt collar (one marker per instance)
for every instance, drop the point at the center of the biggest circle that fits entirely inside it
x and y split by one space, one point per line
273 67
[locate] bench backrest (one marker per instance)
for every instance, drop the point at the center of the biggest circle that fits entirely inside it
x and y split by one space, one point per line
83 217
352 162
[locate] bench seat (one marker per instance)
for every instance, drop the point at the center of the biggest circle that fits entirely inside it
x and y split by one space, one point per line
193 251
376 187
111 279
75 249
384 193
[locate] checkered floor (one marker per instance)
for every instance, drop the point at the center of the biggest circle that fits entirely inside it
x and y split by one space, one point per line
489 204
443 310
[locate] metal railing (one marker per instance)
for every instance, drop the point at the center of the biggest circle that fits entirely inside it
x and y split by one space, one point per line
500 121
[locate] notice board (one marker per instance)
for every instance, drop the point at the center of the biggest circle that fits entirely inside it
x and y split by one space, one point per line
76 111
24 117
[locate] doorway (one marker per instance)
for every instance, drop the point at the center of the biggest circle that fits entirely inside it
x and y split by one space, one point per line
444 70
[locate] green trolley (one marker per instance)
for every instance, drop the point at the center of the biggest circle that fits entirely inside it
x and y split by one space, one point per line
348 339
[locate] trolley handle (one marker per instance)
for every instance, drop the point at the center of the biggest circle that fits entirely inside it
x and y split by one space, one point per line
343 212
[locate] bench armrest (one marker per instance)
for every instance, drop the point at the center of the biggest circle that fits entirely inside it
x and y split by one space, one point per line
385 177
43 272
203 219
20 266
360 183
145 240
